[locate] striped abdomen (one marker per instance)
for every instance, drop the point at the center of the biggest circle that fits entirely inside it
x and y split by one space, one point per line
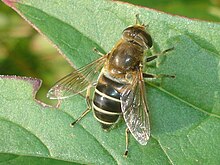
106 101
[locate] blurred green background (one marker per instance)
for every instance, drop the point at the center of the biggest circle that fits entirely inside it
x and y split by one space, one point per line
24 52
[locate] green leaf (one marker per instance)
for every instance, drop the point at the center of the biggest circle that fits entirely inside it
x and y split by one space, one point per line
184 112
199 9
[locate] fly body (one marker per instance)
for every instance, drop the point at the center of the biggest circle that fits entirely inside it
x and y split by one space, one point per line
119 72
119 89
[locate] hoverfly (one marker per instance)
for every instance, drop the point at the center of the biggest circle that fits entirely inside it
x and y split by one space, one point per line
119 88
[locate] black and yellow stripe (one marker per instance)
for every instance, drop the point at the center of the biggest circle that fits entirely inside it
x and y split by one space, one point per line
106 101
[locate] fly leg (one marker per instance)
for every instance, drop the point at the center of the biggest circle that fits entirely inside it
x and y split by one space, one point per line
98 52
147 75
153 57
126 142
88 109
154 76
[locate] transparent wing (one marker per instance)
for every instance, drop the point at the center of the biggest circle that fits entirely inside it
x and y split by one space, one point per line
77 81
135 109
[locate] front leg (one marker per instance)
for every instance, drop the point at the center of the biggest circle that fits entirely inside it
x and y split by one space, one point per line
153 57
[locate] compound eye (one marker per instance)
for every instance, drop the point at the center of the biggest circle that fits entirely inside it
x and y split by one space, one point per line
148 41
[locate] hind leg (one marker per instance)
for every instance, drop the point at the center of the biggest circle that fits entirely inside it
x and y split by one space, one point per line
88 109
126 142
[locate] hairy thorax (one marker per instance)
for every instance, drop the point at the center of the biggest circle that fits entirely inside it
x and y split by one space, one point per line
126 58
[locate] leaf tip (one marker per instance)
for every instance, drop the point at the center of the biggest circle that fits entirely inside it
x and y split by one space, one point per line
36 84
11 3
34 81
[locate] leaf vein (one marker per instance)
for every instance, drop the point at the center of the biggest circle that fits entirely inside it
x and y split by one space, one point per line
20 126
93 137
166 154
184 101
